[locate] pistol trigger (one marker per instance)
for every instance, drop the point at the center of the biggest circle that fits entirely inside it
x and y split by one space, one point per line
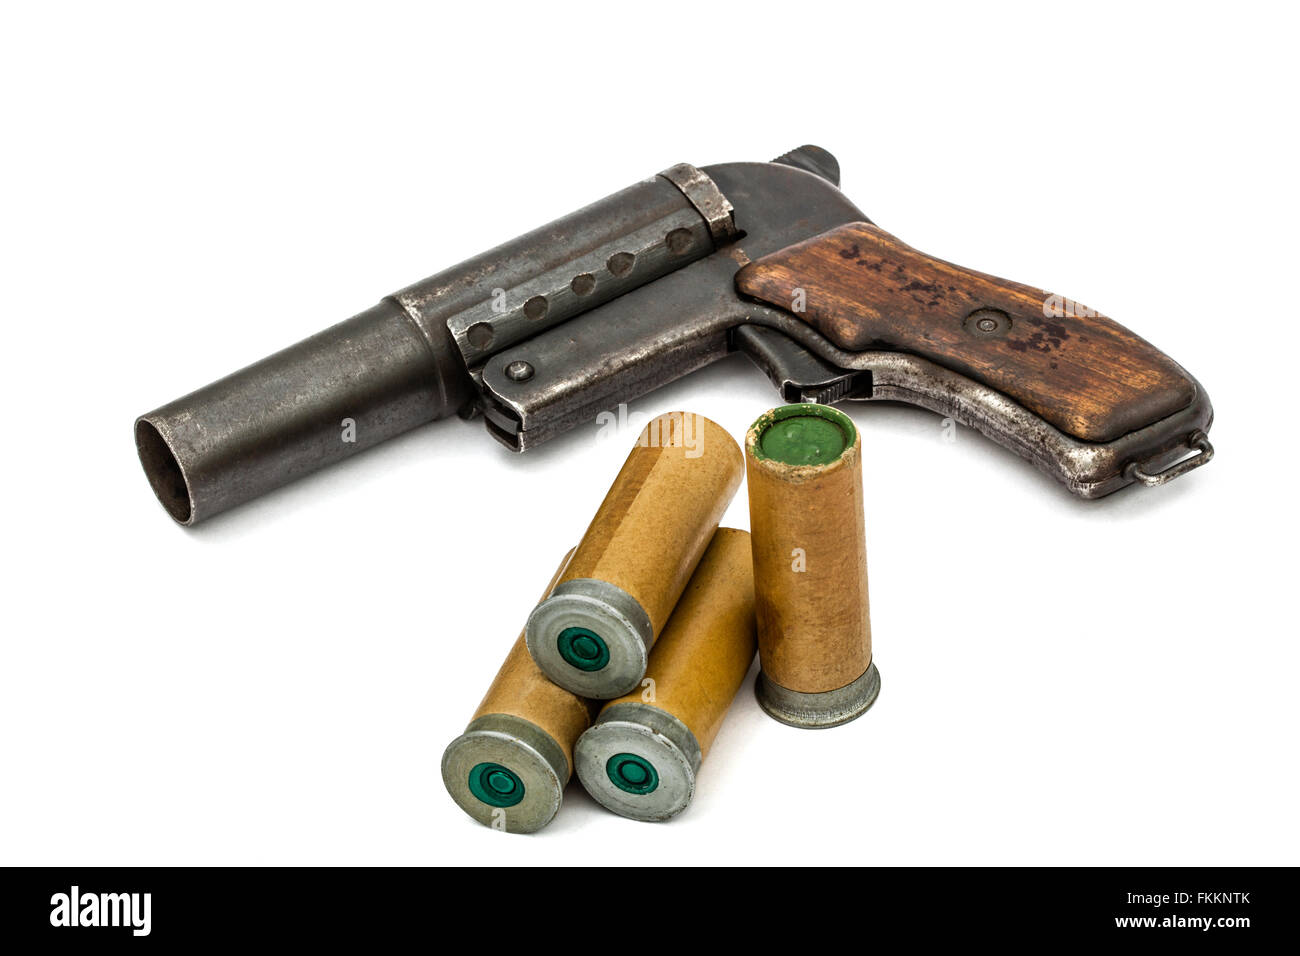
798 374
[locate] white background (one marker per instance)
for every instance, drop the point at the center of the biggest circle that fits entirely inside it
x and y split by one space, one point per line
1064 682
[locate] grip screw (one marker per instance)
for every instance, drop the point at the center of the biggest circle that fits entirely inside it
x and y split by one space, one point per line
987 323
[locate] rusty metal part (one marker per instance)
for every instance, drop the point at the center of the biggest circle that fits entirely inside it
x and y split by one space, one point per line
693 317
707 199
596 309
662 331
1196 441
1087 469
414 358
572 265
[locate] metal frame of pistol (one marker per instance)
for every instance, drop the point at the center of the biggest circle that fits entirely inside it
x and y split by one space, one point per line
634 291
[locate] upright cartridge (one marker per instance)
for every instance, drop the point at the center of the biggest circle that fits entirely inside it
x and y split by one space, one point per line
593 635
641 757
804 464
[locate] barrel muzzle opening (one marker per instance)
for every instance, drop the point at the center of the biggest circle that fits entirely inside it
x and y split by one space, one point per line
164 472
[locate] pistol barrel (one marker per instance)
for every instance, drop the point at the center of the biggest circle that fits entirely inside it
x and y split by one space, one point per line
339 392
414 357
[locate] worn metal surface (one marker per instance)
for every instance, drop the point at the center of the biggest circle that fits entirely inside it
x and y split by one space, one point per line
1196 441
694 317
335 394
815 160
604 609
526 750
547 276
1086 469
413 358
652 734
817 711
598 308
660 332
707 199
798 374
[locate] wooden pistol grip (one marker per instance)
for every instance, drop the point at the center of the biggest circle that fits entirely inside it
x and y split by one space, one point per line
864 290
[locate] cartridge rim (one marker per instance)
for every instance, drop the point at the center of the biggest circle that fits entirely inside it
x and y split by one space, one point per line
638 735
812 711
616 625
496 749
802 435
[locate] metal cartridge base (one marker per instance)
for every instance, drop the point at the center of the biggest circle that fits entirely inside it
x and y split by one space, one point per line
592 638
506 773
812 711
639 761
